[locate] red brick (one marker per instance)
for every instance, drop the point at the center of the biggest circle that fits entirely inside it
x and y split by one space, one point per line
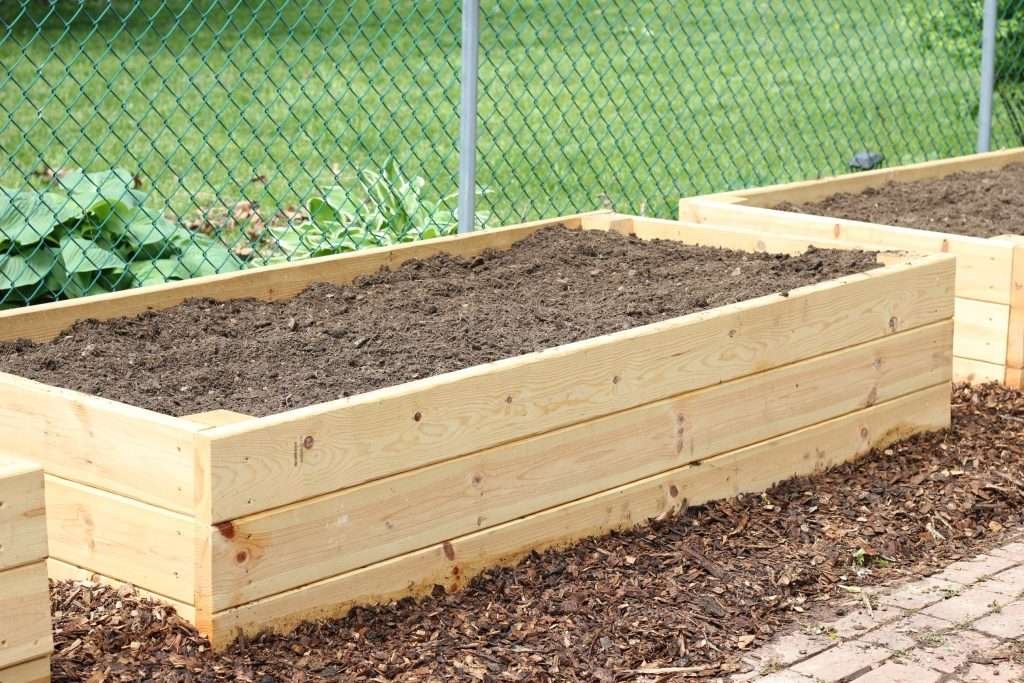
952 652
842 663
1013 551
1000 672
892 672
920 593
789 649
785 677
904 634
969 605
860 620
1005 623
969 571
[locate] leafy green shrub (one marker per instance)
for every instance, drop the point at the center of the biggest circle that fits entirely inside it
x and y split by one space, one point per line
94 236
953 28
386 207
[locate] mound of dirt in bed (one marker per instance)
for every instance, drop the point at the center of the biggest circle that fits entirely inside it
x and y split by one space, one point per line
695 591
425 318
982 204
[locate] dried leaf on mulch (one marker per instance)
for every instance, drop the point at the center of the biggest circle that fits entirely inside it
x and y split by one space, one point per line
680 599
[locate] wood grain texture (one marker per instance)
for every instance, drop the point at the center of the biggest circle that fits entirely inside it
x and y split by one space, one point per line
984 266
22 513
982 330
36 671
25 627
454 562
44 321
301 543
1015 336
122 538
101 443
976 371
266 463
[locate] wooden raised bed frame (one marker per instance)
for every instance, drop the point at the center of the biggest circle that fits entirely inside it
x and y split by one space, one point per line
989 338
245 523
26 635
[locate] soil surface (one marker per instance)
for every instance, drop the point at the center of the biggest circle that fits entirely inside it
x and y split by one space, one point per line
983 204
691 593
425 318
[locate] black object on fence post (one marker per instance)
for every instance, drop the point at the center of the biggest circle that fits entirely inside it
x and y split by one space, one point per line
467 114
988 74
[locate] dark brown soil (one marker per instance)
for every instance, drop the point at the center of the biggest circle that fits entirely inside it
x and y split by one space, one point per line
983 204
695 591
426 318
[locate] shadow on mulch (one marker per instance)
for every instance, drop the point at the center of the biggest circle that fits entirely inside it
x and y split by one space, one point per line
689 594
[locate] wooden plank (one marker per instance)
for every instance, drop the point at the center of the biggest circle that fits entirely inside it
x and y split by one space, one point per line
984 266
36 671
217 418
273 551
742 239
22 513
102 443
981 330
453 563
1015 333
302 453
814 190
976 371
25 626
59 570
45 321
124 539
1014 378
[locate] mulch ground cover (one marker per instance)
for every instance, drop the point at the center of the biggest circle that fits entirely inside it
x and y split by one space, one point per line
688 595
425 318
983 204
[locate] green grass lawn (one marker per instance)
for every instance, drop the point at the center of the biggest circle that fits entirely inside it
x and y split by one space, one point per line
583 103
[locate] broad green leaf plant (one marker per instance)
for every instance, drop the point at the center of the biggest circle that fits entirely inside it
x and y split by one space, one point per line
91 234
385 207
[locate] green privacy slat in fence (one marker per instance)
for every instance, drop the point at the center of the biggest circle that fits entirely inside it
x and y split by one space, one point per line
240 132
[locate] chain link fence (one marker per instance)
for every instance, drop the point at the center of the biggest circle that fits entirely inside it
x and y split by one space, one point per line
156 140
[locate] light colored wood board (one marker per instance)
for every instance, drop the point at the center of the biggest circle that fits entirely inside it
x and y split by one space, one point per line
981 330
983 265
105 444
453 563
119 537
59 570
22 513
36 671
45 321
217 418
1015 333
1014 378
25 626
814 190
976 371
265 463
273 551
743 239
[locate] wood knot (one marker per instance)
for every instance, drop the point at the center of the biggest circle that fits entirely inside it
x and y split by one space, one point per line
307 443
449 550
226 529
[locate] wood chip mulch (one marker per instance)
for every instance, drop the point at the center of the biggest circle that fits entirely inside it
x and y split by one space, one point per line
679 599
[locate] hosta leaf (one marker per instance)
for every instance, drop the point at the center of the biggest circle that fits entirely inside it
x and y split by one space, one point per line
18 270
157 271
205 256
27 217
82 255
89 190
98 282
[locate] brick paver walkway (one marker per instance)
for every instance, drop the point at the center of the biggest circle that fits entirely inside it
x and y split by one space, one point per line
965 624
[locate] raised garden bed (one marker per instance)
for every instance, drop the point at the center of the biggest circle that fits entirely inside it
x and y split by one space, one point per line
244 522
989 338
26 638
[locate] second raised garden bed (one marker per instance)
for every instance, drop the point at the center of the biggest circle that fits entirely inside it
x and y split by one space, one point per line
989 339
245 523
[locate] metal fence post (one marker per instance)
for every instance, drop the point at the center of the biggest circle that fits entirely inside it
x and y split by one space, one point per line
988 73
467 114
